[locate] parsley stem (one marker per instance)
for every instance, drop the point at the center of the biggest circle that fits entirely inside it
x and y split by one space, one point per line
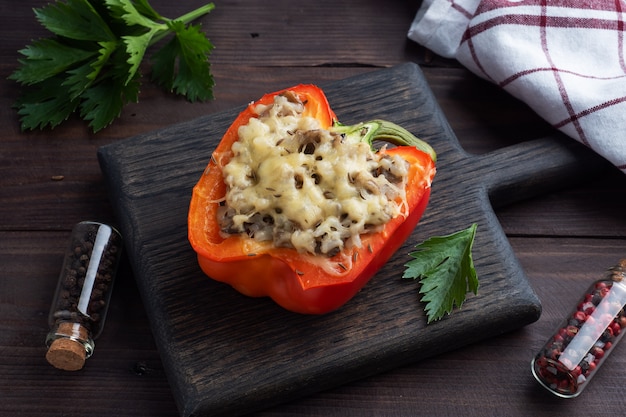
193 15
186 18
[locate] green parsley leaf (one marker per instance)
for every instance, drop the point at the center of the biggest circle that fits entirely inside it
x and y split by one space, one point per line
46 58
91 63
125 10
445 268
79 79
146 9
100 104
136 47
75 19
45 104
187 51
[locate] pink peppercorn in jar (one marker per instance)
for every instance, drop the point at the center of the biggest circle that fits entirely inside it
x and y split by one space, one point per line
584 340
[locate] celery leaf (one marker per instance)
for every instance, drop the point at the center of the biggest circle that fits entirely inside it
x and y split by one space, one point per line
187 51
75 19
91 63
446 273
45 104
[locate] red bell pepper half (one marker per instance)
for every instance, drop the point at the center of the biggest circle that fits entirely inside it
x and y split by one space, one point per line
303 282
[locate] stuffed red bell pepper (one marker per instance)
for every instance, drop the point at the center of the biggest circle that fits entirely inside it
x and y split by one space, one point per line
298 207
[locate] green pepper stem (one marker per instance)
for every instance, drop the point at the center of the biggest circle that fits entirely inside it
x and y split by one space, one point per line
382 130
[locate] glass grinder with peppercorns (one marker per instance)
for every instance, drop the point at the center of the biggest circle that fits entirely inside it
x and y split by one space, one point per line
581 344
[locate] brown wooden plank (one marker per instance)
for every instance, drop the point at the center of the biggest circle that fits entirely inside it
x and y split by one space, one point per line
275 36
594 209
125 357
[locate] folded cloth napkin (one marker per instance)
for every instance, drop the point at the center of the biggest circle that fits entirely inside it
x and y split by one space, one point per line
566 59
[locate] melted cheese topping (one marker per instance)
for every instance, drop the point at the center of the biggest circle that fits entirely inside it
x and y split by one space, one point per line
300 186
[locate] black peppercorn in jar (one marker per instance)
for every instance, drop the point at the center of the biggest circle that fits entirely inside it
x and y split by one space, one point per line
584 340
83 292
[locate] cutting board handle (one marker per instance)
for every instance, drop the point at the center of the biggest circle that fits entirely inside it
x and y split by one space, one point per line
535 167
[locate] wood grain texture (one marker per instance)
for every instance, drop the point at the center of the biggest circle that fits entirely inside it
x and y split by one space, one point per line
562 239
226 354
30 263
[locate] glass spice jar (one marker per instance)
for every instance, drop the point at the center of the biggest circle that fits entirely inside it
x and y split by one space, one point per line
82 295
584 340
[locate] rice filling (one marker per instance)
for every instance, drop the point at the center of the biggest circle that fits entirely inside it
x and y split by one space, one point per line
303 187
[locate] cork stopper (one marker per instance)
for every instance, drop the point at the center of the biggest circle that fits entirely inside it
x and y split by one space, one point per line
67 352
617 273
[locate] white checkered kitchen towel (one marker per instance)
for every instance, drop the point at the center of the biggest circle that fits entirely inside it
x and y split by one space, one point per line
566 59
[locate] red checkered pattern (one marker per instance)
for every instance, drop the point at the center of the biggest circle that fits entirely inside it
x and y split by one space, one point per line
564 58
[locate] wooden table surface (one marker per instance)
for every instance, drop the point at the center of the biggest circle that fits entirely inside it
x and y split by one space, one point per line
563 240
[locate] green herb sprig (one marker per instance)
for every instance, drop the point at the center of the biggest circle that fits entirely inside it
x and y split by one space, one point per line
445 269
91 66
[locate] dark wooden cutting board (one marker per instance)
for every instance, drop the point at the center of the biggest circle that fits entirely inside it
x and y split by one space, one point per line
226 354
